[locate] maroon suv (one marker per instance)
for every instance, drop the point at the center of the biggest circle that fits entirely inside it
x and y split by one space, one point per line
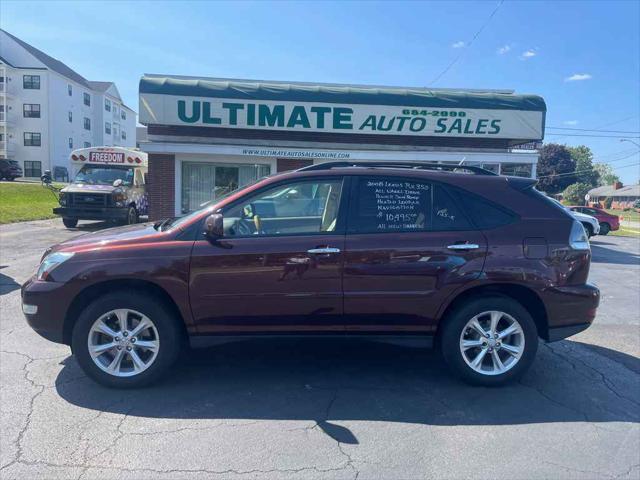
480 265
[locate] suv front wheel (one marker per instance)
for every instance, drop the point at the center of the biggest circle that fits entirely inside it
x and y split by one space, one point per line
489 341
126 340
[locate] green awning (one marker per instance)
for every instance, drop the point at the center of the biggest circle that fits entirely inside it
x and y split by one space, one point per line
337 93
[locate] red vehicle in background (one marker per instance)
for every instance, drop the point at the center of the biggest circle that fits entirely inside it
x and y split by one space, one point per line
607 221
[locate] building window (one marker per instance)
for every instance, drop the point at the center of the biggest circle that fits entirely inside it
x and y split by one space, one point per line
516 169
123 115
87 123
202 182
70 142
31 110
32 139
87 99
124 135
70 117
32 169
107 104
31 82
87 144
107 128
70 90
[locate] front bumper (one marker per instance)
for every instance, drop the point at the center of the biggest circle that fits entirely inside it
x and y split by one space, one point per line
92 213
49 298
570 309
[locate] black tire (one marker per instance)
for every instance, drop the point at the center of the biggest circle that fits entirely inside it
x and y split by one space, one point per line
11 179
132 216
169 334
605 228
456 321
589 229
70 222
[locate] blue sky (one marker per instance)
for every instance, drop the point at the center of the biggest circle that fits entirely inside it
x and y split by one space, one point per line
582 57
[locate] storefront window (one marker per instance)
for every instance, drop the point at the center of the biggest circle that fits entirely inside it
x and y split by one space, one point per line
203 182
492 167
516 169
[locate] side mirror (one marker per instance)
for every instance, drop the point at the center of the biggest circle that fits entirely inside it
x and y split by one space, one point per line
46 177
117 182
214 226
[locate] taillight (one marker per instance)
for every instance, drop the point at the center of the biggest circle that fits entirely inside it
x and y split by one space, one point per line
578 239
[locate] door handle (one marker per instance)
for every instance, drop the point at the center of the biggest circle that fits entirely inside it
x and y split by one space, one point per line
323 250
464 246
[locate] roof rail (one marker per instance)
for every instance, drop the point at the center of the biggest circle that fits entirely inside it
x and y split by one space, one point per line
408 165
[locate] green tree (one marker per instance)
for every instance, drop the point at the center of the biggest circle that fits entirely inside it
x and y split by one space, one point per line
574 194
554 168
605 174
584 165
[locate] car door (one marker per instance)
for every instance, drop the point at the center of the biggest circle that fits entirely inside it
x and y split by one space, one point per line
409 246
278 267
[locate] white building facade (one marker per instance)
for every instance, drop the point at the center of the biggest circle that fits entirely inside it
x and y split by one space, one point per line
47 110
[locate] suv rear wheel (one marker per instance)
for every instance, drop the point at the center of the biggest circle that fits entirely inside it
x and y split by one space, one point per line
126 340
489 341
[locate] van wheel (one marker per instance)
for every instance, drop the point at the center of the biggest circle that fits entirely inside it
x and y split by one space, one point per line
489 341
604 228
126 340
70 222
132 216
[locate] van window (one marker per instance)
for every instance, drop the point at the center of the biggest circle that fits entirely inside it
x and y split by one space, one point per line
390 204
484 214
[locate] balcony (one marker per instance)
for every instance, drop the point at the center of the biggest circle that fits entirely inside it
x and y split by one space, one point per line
7 149
6 120
4 91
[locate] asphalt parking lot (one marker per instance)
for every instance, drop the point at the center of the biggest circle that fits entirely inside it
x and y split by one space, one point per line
325 409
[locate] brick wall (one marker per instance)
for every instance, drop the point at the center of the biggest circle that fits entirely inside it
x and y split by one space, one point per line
286 164
161 186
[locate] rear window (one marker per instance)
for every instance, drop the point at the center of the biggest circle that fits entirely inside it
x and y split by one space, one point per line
484 214
390 204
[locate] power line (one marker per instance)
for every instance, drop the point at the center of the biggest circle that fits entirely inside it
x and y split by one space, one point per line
590 130
468 44
608 124
586 170
562 135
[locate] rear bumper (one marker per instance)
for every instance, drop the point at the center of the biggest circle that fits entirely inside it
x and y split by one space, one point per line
94 213
570 309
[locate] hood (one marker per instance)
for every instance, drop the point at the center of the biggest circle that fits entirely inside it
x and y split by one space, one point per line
86 187
138 233
583 217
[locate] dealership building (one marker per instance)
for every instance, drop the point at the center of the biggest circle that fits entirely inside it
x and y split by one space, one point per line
208 136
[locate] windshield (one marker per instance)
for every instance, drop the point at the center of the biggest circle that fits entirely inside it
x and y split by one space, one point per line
104 175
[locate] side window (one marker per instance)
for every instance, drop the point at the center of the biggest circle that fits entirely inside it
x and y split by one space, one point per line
484 214
292 209
386 204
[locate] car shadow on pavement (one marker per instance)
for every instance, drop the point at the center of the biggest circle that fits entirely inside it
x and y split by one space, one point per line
7 283
328 381
600 254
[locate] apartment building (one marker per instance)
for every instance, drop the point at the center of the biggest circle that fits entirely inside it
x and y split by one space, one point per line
47 109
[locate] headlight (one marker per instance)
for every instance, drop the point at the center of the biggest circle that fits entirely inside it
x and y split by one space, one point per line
118 196
50 262
62 199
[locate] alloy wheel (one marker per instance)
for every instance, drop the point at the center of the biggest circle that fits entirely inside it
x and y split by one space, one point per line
492 342
123 342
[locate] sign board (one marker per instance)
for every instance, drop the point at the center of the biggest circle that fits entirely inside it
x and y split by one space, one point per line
587 197
106 157
161 109
398 204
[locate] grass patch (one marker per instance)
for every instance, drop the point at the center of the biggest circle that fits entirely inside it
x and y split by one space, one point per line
628 215
20 202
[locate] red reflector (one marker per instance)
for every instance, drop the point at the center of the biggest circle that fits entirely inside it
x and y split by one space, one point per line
82 158
74 157
138 160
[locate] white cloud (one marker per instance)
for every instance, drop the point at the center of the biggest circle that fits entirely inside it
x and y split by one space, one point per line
504 49
570 122
528 54
576 77
459 44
